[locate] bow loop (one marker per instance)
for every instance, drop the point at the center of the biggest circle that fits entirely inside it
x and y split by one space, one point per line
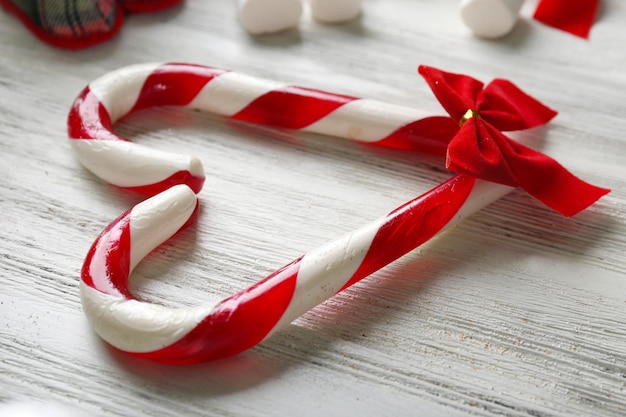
508 108
573 16
457 93
501 103
480 149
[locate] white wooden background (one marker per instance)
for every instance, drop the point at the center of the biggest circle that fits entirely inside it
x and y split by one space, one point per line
517 311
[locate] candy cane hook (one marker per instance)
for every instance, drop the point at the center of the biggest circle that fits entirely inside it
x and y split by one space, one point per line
227 93
239 322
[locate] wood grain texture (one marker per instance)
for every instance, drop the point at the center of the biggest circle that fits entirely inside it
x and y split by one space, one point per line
517 311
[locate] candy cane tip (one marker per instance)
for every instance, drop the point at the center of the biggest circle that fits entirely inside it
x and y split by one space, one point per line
179 200
138 167
195 167
156 219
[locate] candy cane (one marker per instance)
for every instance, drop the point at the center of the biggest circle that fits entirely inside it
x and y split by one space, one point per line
226 93
239 322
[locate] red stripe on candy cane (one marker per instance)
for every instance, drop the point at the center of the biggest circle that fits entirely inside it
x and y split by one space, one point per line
89 119
292 107
174 85
414 223
107 264
236 324
413 136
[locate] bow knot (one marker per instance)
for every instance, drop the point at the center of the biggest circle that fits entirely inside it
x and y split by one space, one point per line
480 149
468 115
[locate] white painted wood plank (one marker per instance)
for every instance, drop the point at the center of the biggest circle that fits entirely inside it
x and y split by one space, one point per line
517 311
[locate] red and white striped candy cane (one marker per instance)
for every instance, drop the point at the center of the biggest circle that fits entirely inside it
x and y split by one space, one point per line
239 322
228 93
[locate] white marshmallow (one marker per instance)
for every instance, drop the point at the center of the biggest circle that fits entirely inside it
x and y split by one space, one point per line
490 18
334 11
269 16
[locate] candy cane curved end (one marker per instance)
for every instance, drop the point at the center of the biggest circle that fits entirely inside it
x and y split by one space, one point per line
138 167
241 321
119 318
117 160
234 95
136 326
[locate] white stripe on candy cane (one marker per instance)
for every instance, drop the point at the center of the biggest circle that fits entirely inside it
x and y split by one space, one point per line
365 120
136 326
128 164
156 219
118 90
231 92
324 271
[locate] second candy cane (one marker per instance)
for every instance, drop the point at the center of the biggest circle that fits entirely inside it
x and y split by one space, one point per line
231 94
239 322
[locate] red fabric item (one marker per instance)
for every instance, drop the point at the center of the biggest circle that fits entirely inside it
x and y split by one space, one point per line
573 16
75 33
480 149
71 37
146 6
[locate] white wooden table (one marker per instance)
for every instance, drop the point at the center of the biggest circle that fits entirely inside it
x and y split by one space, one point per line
517 311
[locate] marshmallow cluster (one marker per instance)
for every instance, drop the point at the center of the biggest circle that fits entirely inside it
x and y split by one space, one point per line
270 16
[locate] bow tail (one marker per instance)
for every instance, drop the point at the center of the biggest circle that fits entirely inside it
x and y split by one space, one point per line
573 16
548 181
482 151
507 107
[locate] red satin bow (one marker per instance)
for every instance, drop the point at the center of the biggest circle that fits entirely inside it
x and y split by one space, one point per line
573 16
480 149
